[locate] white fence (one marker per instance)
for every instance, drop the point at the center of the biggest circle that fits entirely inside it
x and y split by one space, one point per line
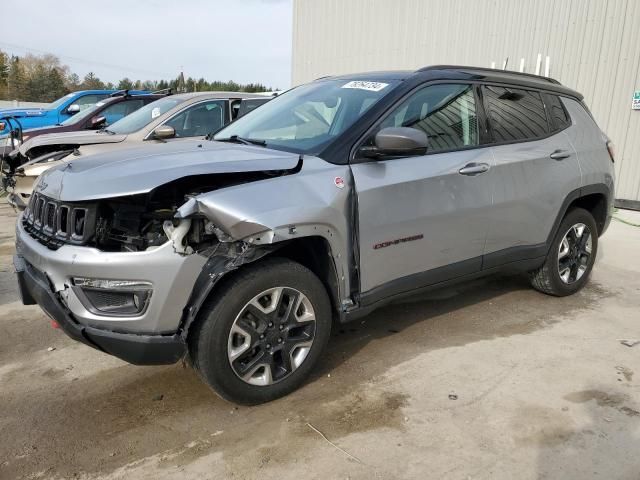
17 104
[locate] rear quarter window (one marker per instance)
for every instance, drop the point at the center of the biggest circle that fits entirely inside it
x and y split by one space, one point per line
515 114
559 116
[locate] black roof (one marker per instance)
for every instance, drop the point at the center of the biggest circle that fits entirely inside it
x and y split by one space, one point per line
459 72
500 76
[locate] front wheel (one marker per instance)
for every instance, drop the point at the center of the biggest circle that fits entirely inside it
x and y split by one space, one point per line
260 335
571 256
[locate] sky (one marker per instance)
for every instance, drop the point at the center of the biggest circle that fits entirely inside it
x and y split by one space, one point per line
241 40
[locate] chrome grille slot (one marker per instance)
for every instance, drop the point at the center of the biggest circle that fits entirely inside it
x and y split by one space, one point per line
78 218
63 220
50 217
54 223
39 211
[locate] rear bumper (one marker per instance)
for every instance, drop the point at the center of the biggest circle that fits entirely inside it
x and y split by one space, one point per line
136 349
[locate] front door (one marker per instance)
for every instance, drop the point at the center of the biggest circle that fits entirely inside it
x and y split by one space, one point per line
423 219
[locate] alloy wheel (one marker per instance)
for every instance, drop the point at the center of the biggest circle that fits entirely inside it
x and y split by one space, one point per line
574 253
271 336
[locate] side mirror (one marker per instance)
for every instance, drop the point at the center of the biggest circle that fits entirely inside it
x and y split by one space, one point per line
73 109
400 141
98 121
164 131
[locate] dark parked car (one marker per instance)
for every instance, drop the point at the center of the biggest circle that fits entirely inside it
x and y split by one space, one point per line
102 114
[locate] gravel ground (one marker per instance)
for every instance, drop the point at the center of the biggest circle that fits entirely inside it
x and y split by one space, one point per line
489 379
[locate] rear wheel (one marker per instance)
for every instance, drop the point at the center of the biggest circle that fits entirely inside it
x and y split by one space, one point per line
262 332
571 256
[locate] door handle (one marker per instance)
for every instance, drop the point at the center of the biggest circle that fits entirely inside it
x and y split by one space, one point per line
560 155
474 168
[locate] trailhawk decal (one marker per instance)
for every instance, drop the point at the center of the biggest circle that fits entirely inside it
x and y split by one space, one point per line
398 241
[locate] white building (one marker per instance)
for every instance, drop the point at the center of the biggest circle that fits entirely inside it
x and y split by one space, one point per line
592 46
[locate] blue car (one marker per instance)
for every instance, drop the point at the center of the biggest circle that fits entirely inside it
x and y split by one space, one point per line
54 113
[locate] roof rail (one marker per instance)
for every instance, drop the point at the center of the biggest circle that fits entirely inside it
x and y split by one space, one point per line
169 91
485 69
120 93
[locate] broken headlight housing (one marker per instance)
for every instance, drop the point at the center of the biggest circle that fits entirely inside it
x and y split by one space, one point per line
120 298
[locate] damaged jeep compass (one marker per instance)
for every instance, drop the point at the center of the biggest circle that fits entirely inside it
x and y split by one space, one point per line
242 250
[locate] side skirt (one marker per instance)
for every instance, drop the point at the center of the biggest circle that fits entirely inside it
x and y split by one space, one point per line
385 294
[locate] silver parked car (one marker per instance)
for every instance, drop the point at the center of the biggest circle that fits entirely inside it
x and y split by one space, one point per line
327 202
172 118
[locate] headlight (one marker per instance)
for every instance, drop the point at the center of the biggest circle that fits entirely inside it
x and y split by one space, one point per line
125 298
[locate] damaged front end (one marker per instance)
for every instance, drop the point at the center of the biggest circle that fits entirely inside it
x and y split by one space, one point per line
129 262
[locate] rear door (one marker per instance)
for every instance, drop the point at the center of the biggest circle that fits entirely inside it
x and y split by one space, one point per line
423 219
535 167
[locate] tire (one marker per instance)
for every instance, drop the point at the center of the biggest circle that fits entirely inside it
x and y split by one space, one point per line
548 279
234 320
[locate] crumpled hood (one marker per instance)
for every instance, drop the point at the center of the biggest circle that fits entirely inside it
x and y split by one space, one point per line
23 112
66 138
140 169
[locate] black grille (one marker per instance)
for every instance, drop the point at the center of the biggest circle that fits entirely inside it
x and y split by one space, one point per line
54 223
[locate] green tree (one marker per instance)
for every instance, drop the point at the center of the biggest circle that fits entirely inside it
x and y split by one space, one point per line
4 73
56 87
72 82
91 82
149 85
125 84
16 80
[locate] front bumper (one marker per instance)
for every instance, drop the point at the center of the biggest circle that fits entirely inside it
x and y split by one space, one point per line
172 276
137 349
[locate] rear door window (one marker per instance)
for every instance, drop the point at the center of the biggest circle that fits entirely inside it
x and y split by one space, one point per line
250 104
115 112
515 114
88 101
199 119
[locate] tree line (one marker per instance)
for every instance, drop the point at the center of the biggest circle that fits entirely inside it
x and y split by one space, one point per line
43 78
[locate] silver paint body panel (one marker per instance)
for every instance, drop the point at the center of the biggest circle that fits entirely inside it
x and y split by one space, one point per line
427 196
172 276
140 169
528 190
460 217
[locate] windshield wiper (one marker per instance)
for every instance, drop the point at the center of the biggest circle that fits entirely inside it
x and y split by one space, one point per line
245 141
106 130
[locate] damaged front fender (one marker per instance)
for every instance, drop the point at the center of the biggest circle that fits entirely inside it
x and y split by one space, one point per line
259 217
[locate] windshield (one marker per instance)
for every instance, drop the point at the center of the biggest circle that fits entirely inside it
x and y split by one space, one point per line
60 101
78 117
145 115
307 118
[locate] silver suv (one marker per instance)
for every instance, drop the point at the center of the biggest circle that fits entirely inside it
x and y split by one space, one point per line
327 202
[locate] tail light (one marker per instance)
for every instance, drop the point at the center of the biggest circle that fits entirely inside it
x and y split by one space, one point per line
612 150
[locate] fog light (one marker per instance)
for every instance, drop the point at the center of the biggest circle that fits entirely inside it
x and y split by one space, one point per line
113 297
